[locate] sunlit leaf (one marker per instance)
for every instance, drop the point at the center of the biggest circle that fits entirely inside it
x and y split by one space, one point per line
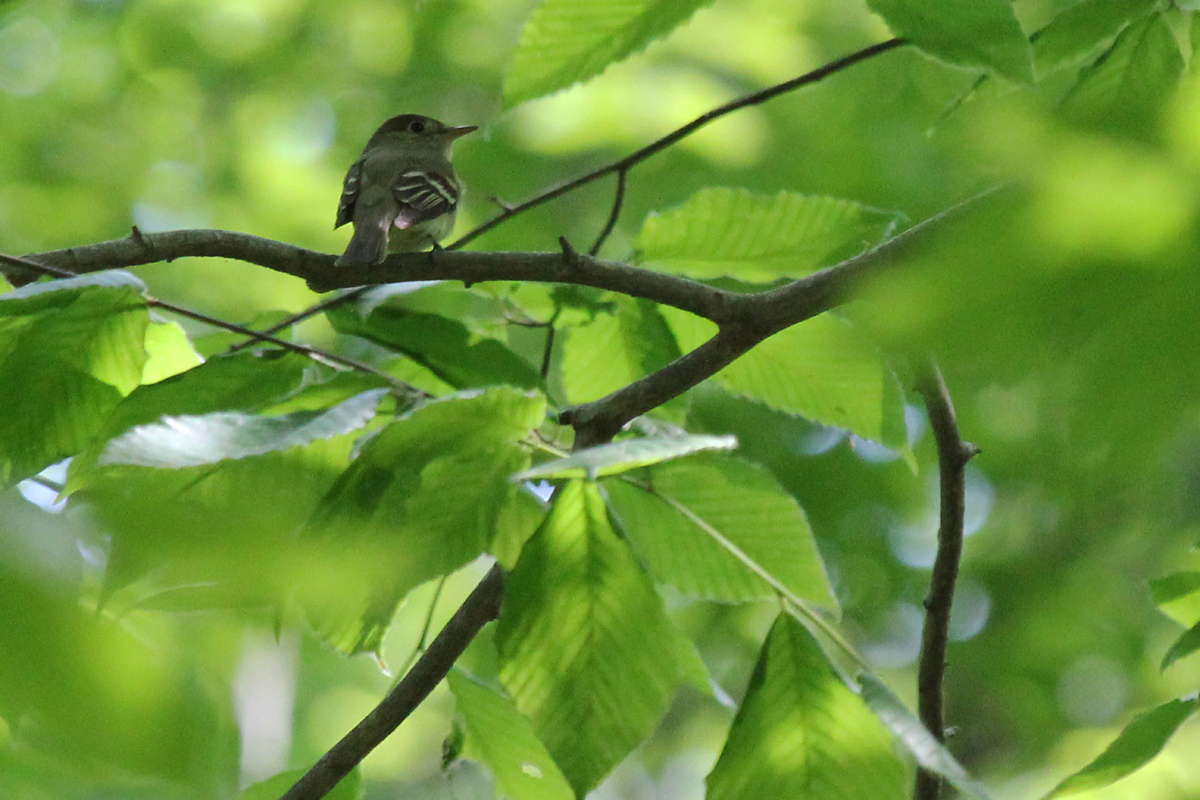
975 34
587 651
758 238
506 742
69 350
722 529
617 457
909 731
1141 741
614 350
168 352
823 369
799 727
567 41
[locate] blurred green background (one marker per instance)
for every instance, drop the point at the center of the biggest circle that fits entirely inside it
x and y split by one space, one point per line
1063 311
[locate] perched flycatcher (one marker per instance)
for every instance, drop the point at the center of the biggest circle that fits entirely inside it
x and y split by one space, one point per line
402 193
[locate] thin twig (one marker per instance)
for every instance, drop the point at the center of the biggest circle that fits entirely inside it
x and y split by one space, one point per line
311 311
953 455
323 356
674 136
424 637
618 199
480 608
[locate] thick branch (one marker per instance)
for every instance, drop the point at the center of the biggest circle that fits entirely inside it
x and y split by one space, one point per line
480 608
953 455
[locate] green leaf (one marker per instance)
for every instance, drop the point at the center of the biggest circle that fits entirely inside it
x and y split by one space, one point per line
443 346
1141 741
823 369
1178 596
348 788
587 651
974 34
722 529
567 41
232 524
928 751
617 457
168 352
1185 645
190 441
423 498
800 728
1081 27
86 691
69 350
506 743
244 382
614 350
756 238
1127 87
1174 587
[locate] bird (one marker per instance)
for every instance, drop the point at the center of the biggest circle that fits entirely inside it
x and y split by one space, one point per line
401 193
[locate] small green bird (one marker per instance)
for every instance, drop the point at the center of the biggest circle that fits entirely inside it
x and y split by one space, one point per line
402 192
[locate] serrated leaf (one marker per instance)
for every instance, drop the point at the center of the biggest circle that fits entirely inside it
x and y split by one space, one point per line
720 232
974 34
69 351
1126 88
422 499
799 727
617 457
587 651
348 788
244 382
443 346
909 731
567 41
1082 27
615 349
1141 741
1184 646
722 529
823 369
506 742
191 441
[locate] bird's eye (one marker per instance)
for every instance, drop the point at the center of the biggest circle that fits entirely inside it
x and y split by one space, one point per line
416 127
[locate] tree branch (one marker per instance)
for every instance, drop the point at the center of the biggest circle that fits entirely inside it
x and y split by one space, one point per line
25 270
618 200
953 455
481 607
623 166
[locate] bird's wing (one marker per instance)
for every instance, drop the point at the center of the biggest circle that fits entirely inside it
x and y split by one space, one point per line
422 196
350 188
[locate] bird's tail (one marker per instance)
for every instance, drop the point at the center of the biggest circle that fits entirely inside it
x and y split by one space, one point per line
367 246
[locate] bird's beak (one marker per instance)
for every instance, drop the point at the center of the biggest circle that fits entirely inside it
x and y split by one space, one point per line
450 134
